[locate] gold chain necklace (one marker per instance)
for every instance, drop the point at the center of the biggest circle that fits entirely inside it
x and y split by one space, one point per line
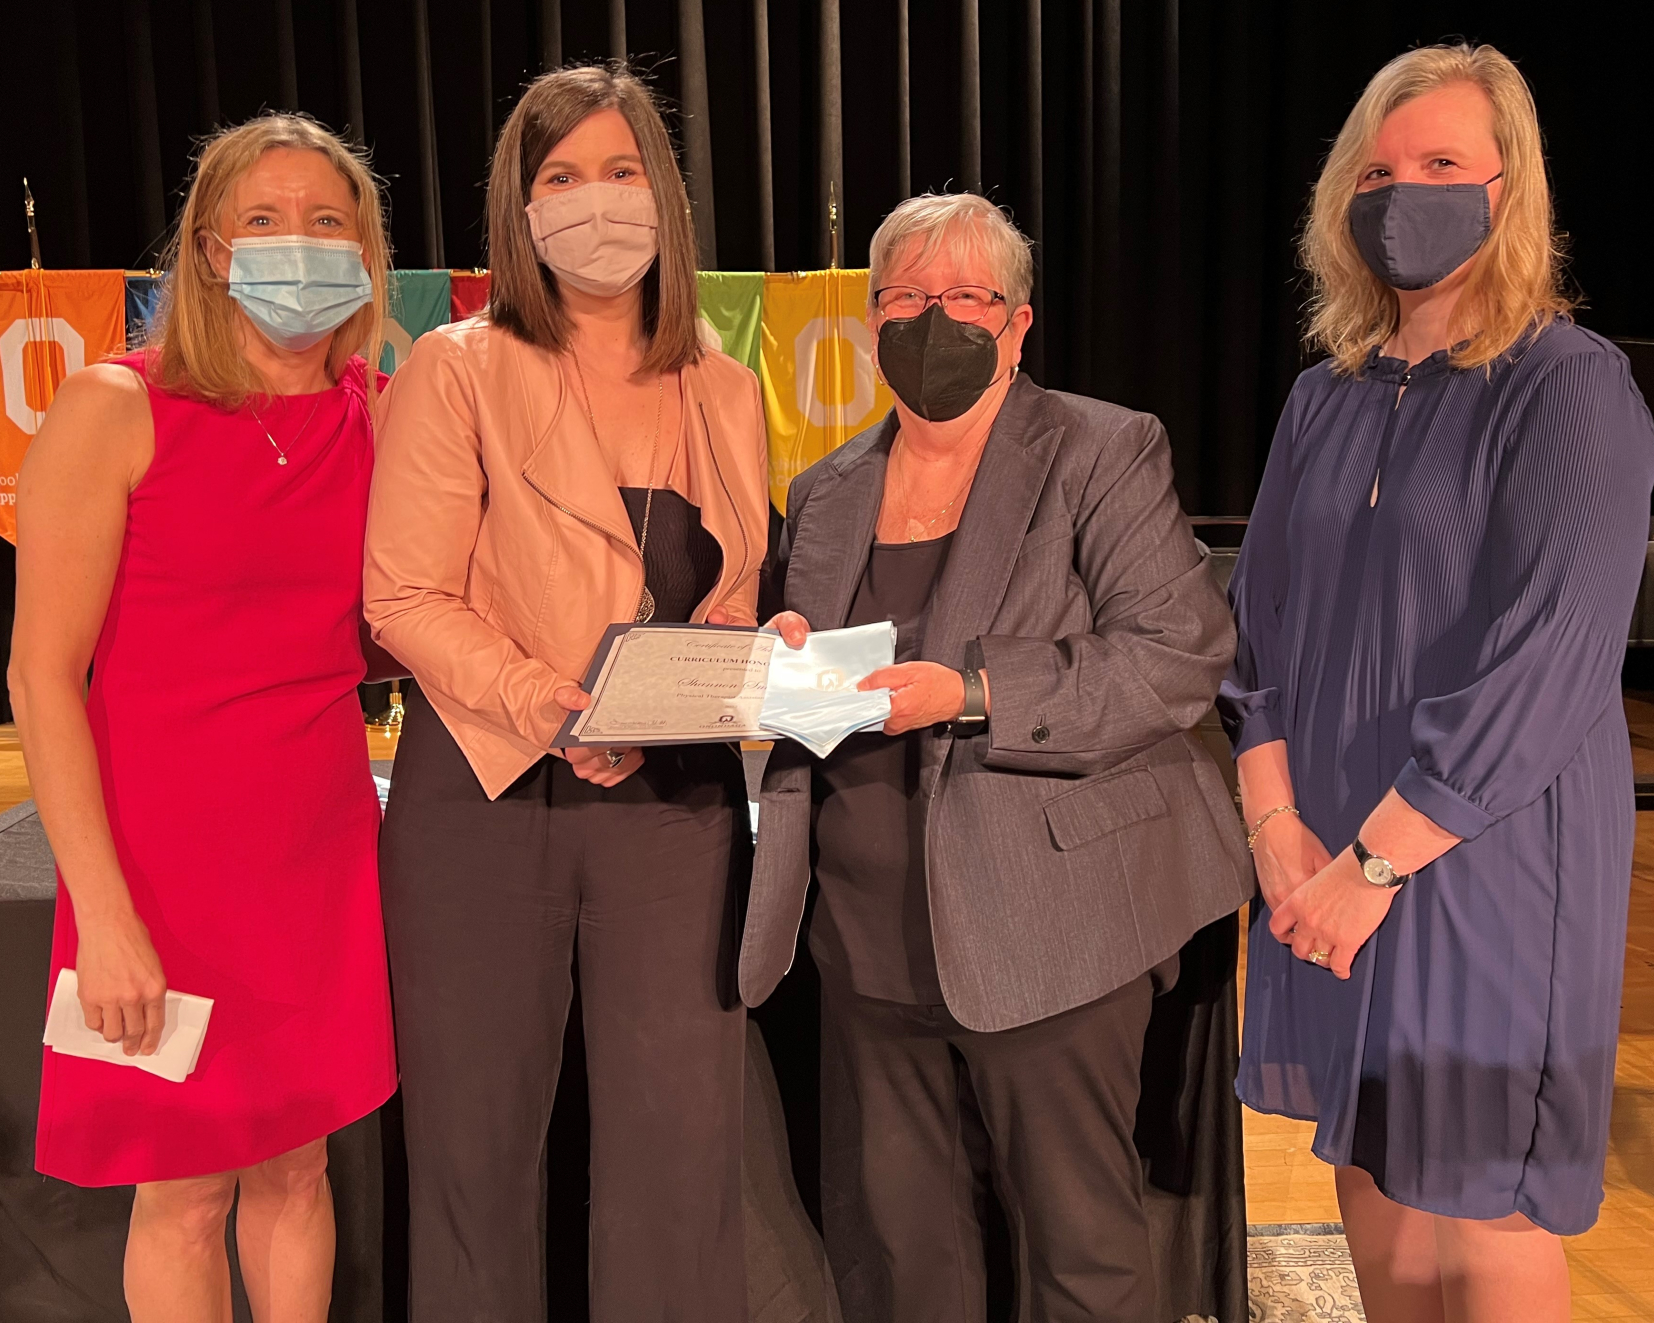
646 603
281 455
907 501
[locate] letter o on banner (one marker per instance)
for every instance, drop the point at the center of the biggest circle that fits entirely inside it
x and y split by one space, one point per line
817 412
398 344
12 377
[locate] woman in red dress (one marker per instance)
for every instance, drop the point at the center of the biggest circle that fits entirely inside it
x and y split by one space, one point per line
190 526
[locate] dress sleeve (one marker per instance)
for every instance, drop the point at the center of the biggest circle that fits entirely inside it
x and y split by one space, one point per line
1564 548
429 492
1249 701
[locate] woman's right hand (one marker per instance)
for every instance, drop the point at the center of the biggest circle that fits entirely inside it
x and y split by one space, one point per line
123 989
589 762
792 627
1287 854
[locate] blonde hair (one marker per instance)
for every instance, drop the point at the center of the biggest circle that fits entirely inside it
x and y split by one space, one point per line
523 296
1515 285
936 219
195 344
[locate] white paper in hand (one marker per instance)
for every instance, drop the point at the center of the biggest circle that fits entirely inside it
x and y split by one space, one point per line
181 1039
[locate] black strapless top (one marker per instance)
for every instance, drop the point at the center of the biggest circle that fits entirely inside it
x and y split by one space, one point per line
682 562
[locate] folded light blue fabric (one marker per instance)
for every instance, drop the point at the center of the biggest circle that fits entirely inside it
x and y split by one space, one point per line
812 695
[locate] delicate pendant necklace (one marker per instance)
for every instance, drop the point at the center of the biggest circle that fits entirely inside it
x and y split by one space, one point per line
925 528
281 455
646 603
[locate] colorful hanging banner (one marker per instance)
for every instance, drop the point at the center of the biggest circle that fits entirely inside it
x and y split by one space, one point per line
816 369
419 301
143 305
52 323
470 294
732 308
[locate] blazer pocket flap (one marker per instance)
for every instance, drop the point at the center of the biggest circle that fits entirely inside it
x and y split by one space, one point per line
1105 806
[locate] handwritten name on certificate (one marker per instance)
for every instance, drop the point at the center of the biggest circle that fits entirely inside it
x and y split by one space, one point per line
664 684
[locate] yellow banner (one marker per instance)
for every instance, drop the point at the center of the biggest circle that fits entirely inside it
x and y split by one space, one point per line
52 323
816 367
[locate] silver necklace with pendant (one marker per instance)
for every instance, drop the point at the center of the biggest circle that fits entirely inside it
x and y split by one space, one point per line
281 455
646 603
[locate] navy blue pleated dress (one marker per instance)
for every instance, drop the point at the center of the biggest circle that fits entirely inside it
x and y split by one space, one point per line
1458 637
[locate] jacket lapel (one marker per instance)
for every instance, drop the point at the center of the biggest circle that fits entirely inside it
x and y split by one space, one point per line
835 529
566 465
1004 494
706 458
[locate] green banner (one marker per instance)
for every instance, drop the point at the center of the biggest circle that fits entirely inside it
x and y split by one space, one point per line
732 307
418 303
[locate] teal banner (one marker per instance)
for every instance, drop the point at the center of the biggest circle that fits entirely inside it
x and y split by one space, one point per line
418 303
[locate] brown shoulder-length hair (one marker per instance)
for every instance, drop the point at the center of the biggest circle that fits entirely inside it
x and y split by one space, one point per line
523 296
195 349
1516 284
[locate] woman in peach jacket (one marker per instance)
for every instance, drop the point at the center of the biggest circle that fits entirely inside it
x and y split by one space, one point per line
570 459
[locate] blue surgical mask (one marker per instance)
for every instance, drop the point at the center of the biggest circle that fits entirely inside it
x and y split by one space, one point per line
297 290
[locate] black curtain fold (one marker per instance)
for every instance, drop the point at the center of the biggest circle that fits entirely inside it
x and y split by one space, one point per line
697 130
350 72
429 185
1160 152
76 248
764 147
145 122
206 60
287 56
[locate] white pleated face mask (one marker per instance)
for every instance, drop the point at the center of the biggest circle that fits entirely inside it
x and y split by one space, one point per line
600 238
295 289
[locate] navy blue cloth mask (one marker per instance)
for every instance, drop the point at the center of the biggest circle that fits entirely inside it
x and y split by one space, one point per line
1415 235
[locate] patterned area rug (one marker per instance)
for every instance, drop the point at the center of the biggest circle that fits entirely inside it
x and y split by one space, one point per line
1300 1272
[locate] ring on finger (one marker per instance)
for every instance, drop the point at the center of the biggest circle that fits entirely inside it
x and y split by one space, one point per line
1316 957
615 756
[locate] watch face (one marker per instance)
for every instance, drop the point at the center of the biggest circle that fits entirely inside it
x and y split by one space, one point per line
1378 872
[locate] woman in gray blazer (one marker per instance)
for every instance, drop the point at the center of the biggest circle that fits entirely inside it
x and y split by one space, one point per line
1008 870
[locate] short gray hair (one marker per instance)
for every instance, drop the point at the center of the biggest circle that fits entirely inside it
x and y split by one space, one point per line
936 219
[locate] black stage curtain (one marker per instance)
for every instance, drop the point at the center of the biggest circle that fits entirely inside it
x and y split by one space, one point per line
1160 151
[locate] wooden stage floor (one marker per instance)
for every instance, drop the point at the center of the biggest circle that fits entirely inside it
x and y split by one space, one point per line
1613 1263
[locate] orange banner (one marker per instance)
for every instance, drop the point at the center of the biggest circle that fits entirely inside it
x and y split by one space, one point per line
52 323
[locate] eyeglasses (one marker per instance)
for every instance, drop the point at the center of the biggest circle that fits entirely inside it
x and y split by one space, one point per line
963 303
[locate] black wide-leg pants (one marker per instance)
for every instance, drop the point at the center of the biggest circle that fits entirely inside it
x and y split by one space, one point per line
918 1112
484 903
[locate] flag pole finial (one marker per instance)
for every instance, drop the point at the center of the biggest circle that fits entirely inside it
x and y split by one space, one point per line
28 215
832 224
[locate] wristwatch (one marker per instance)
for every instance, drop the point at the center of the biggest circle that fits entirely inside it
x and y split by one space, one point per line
1379 871
975 714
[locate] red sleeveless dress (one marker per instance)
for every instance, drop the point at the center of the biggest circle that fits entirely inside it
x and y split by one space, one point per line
235 772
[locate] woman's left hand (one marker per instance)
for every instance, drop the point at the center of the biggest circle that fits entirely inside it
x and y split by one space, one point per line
921 694
1333 914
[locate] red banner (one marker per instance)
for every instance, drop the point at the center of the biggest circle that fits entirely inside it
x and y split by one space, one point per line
468 294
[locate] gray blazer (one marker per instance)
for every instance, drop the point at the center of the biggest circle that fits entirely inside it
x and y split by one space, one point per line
1085 835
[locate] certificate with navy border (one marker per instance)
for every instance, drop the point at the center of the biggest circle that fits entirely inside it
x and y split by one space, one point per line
673 684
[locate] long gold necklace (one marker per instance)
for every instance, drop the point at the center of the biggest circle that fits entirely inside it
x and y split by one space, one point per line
646 603
908 502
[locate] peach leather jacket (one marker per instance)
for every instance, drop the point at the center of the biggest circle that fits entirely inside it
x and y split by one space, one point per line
498 547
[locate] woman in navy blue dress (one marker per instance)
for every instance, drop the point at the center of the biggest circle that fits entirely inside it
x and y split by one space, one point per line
1432 602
